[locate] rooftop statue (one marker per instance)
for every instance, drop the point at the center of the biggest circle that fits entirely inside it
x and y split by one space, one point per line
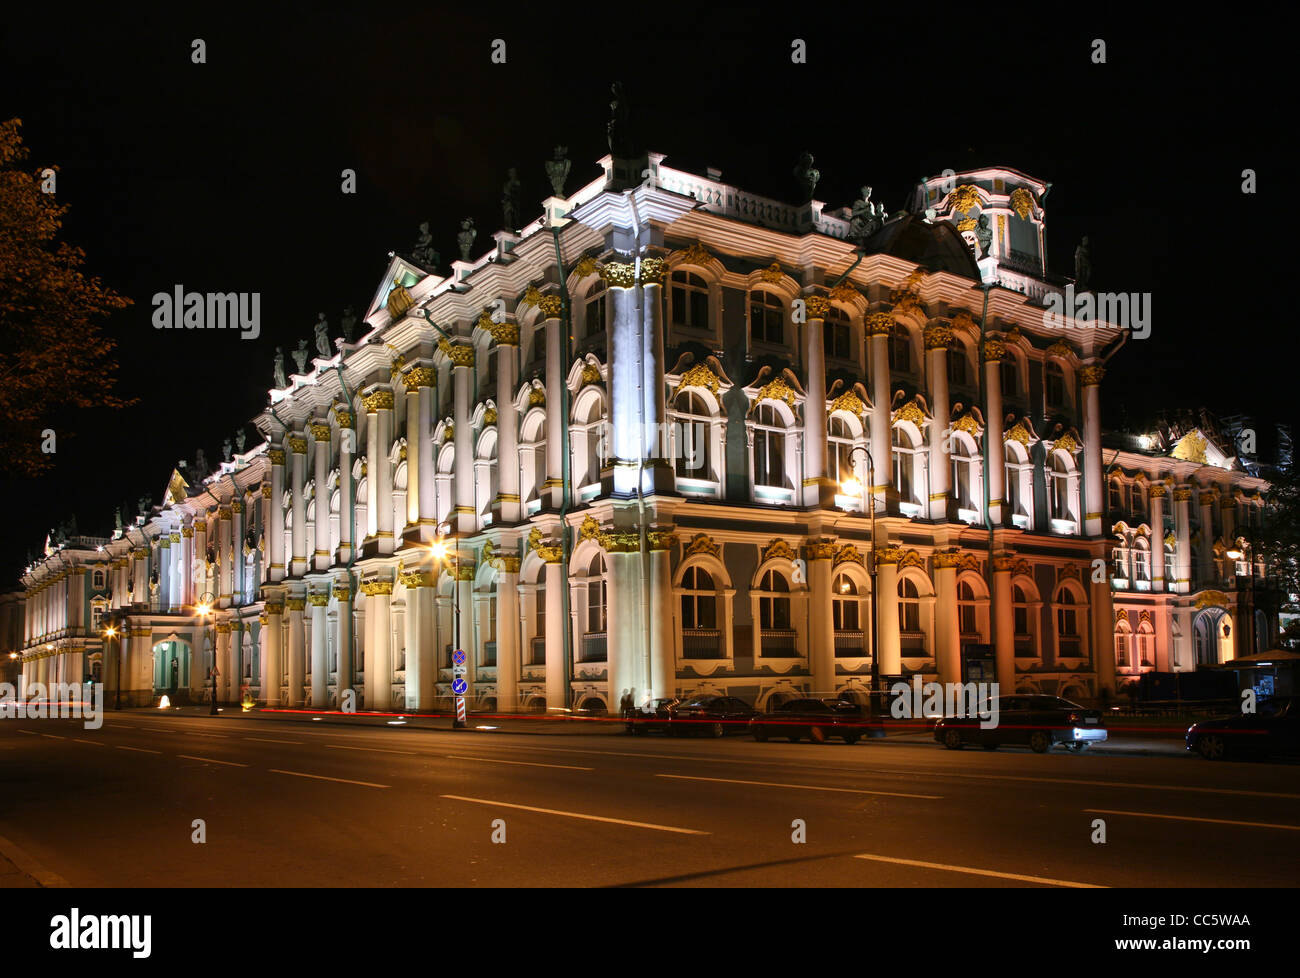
240 438
300 356
349 324
984 233
225 450
617 130
281 381
1083 266
806 177
867 218
465 239
423 252
557 170
322 335
510 201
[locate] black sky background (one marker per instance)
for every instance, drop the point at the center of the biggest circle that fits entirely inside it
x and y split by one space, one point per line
226 176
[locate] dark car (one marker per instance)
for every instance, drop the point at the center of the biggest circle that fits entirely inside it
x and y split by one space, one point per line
816 719
651 718
712 715
1273 729
1038 722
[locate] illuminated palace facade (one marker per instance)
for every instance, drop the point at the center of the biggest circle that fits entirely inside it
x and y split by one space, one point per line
650 428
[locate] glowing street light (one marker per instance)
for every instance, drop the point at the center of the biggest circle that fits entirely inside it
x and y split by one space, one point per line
439 550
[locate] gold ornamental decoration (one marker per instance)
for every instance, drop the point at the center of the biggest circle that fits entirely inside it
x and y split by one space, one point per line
298 445
702 543
1004 562
276 456
590 375
964 198
967 224
372 588
414 579
1211 599
822 550
1019 433
378 401
1190 448
911 559
399 302
696 254
653 271
1067 572
1091 376
817 305
994 350
504 334
778 548
619 275
850 402
699 376
417 377
938 337
968 424
845 292
848 554
536 397
880 324
908 412
460 354
552 306
490 416
321 432
1060 349
295 604
187 532
1182 495
531 296
318 600
1022 202
1066 443
964 321
889 554
772 274
660 539
777 390
586 265
944 559
1158 490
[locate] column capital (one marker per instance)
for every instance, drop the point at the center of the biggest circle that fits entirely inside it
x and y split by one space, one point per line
418 377
994 350
321 431
879 324
818 306
276 456
1158 490
938 337
298 445
1091 376
378 400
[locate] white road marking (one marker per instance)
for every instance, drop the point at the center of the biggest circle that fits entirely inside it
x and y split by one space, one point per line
30 733
54 736
1190 818
980 872
142 750
321 777
97 743
495 760
1114 784
803 787
211 760
267 740
374 750
589 818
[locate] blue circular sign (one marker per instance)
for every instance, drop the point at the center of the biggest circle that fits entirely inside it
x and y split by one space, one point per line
458 657
458 686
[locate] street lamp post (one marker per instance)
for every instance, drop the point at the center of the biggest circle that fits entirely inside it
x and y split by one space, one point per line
869 503
1248 551
109 633
439 550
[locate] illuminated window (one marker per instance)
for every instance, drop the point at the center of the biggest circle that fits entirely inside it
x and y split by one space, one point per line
690 301
766 317
699 599
769 447
774 604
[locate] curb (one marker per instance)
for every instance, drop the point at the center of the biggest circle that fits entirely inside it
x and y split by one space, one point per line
30 866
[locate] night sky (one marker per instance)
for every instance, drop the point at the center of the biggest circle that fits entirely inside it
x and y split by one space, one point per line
226 176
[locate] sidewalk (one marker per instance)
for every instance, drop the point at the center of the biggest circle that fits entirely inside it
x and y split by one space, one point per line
19 871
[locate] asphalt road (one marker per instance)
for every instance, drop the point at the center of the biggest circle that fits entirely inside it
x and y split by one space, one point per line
295 803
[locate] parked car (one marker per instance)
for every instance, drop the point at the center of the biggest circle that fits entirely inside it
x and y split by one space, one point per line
1273 729
816 719
1039 722
712 715
651 718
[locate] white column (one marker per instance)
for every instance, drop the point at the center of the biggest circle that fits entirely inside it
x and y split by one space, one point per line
994 351
297 650
237 552
663 654
347 494
556 621
416 449
1183 532
507 632
937 339
879 327
321 433
379 407
815 491
275 522
1157 494
344 624
298 446
464 515
271 640
379 666
320 667
1090 377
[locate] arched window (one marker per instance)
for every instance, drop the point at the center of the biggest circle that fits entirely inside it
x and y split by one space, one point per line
1059 489
1145 639
1141 560
1016 486
769 447
963 467
1115 497
595 311
1170 551
1024 623
840 442
844 604
596 594
774 602
837 335
690 301
99 580
699 599
909 607
1138 499
904 464
900 350
766 317
1010 371
967 621
693 460
1068 639
957 373
1055 385
1122 637
537 648
1119 560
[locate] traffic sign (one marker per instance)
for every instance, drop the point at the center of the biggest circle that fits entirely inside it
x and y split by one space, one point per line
459 670
458 686
458 657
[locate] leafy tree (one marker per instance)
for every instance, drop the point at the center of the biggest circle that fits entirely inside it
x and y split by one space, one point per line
52 354
1279 544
